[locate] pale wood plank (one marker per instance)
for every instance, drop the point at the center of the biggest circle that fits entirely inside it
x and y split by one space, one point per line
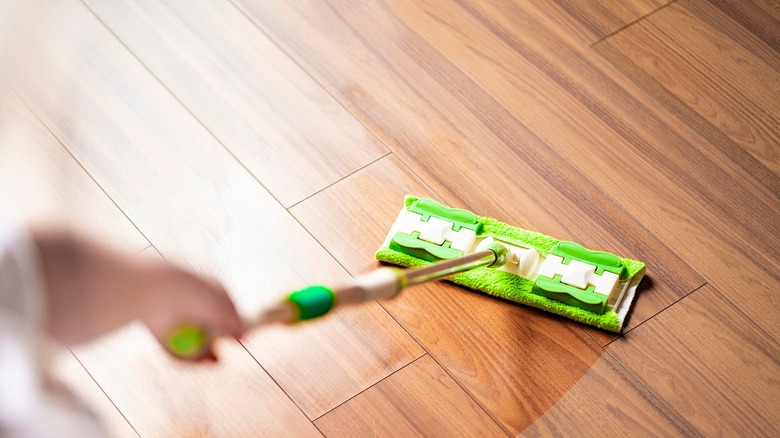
724 83
200 207
419 400
608 401
290 133
593 20
645 160
162 396
41 182
69 371
515 361
709 363
471 151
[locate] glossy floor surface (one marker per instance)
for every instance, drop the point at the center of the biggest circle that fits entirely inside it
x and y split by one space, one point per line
270 144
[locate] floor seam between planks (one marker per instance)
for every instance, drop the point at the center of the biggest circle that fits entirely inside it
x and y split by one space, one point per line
73 157
446 371
425 353
103 391
654 315
740 311
340 179
317 81
144 249
627 25
276 383
655 394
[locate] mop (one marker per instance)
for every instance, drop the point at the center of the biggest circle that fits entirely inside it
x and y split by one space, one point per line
437 242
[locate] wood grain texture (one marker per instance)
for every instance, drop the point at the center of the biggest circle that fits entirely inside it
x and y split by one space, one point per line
515 361
277 121
419 400
607 401
68 371
200 207
760 17
725 84
469 149
593 20
680 187
714 367
41 182
745 72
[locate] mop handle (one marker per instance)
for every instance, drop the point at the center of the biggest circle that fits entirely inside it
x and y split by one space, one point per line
191 341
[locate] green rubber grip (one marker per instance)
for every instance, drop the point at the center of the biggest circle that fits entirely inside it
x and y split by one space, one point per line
187 341
312 302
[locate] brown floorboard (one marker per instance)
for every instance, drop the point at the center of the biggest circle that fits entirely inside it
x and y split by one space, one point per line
725 84
593 20
713 366
608 401
419 400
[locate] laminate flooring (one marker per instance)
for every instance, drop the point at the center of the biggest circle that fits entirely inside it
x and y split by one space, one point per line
271 144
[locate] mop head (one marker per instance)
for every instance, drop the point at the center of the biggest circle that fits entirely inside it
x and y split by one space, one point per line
595 288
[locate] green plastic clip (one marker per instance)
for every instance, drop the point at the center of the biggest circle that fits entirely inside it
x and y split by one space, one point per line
460 218
603 261
586 299
414 246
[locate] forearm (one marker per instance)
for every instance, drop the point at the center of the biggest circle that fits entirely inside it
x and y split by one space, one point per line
89 288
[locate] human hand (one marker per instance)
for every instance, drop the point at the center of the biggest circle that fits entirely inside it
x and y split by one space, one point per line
91 289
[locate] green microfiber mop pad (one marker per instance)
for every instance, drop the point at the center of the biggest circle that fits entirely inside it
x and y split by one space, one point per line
506 285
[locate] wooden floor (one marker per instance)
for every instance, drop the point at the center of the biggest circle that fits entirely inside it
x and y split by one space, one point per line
271 143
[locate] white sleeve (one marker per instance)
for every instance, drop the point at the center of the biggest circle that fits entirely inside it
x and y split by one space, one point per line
27 407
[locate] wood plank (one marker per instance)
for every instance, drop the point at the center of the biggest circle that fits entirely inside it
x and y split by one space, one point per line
41 182
419 400
290 133
69 372
731 87
759 17
607 401
515 361
709 363
581 108
593 20
200 207
469 149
